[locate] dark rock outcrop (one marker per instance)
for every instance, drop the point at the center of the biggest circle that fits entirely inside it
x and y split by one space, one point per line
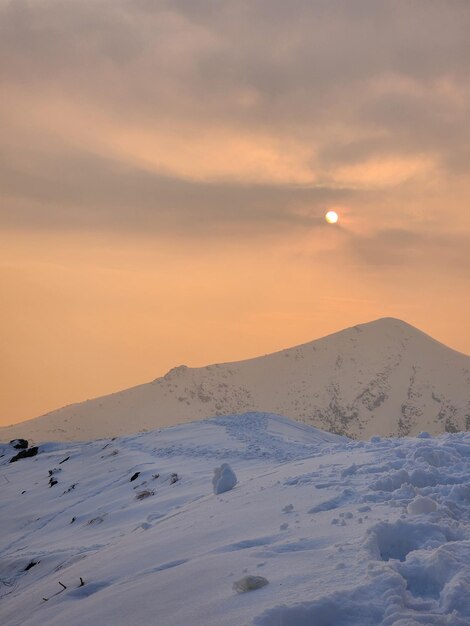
19 444
24 454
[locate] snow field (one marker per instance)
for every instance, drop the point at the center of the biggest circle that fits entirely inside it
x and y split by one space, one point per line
346 533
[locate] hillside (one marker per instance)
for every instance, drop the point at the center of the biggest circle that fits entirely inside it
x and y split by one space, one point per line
129 530
384 378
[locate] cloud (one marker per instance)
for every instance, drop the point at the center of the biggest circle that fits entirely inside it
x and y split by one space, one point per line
85 192
400 248
161 114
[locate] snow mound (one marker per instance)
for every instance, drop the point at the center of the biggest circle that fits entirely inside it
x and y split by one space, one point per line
383 601
396 540
360 607
421 505
224 479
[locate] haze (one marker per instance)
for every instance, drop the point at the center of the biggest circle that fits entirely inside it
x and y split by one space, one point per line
165 169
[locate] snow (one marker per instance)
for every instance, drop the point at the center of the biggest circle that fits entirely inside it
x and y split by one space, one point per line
382 378
224 479
421 504
343 531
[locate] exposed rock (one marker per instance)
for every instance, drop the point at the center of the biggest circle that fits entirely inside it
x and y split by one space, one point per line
24 454
30 565
19 444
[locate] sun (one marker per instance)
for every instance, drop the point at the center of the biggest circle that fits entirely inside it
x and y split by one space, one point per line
332 217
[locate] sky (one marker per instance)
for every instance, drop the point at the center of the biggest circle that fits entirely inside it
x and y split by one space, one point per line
165 169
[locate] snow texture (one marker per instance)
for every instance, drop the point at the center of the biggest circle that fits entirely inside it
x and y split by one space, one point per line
348 533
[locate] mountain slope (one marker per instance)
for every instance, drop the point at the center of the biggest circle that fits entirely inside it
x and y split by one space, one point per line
384 377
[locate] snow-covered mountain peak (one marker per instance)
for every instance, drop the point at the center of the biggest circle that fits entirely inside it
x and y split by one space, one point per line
384 377
381 332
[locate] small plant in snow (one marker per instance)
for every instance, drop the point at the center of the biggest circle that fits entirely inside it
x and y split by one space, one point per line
249 583
144 494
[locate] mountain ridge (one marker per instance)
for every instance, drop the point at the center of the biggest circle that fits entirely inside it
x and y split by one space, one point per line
383 377
377 322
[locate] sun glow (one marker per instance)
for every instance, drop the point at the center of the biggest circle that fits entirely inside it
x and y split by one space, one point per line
332 217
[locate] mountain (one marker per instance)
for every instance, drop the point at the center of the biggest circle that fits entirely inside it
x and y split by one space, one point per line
385 378
129 530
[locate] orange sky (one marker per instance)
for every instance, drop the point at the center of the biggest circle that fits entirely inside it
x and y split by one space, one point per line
165 170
